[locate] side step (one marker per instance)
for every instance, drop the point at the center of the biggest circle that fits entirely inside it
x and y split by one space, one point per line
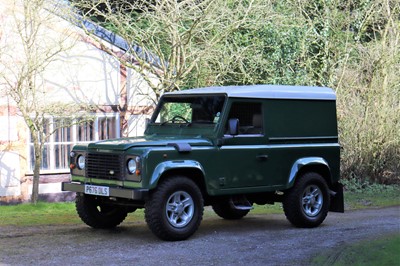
240 203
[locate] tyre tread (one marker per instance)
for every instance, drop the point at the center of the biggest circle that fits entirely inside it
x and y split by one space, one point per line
154 209
85 207
291 204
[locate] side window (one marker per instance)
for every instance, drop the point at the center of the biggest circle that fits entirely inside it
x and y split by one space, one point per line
250 117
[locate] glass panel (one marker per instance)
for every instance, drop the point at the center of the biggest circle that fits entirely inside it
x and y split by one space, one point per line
45 159
174 112
44 163
106 127
190 109
249 115
62 155
32 156
85 131
46 128
62 129
46 125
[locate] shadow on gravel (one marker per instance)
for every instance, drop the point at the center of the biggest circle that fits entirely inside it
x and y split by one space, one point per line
246 224
209 226
139 231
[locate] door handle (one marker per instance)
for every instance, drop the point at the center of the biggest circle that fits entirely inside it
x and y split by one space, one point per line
262 157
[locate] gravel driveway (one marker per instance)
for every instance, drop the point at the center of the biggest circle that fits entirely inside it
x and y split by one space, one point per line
254 240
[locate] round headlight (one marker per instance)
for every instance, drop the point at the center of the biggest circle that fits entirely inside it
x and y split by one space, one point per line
131 166
81 162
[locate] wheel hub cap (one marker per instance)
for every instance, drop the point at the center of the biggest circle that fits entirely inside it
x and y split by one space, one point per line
179 209
312 201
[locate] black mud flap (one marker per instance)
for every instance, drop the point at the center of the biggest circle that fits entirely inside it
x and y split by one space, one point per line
337 200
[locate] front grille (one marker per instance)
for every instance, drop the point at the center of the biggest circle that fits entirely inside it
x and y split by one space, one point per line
105 166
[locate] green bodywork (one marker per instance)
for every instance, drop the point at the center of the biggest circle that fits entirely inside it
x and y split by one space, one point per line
299 134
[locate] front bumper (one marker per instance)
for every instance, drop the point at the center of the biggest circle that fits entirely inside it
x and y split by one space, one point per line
133 194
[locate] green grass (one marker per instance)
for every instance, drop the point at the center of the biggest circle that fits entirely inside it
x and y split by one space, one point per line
39 214
382 251
45 213
64 213
371 196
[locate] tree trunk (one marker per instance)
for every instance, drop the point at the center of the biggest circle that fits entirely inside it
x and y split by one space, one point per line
38 150
35 182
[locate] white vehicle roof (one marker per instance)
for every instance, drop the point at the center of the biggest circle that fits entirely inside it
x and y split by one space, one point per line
265 92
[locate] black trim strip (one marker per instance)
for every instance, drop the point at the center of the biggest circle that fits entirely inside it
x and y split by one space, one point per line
303 138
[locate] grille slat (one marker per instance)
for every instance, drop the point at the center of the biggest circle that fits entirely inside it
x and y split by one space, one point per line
105 166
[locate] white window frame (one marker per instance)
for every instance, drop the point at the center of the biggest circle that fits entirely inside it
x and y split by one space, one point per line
73 141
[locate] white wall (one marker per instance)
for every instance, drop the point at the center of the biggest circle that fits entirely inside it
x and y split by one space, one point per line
9 174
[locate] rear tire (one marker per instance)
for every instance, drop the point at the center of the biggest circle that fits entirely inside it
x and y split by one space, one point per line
96 214
306 204
175 209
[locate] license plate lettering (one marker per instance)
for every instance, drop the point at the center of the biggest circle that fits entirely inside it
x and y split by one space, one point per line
97 190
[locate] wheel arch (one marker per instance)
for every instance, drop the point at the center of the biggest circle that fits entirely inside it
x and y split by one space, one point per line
310 164
188 168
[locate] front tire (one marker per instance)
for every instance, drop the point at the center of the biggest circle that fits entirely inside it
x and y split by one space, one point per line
306 204
175 209
97 214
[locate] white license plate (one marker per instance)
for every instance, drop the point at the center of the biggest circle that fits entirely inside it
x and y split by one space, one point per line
97 190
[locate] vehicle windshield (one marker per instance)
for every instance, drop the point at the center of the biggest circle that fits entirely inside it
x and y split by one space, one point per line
189 110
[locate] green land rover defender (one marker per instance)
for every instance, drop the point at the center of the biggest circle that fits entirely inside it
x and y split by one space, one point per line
225 147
